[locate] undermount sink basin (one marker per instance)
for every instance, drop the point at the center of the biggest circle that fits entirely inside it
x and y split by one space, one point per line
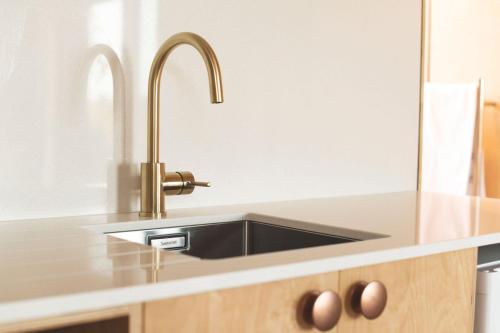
242 238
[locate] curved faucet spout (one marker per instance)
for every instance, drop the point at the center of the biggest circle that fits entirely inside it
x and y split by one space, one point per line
155 181
214 82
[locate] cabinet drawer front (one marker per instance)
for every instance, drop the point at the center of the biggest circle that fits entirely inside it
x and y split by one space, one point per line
269 307
427 294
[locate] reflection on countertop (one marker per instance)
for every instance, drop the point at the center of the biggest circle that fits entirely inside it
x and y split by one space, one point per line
62 265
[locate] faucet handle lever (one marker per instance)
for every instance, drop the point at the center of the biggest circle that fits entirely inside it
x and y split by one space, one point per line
181 182
201 184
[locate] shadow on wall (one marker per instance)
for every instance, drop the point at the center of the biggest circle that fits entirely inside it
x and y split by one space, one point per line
122 181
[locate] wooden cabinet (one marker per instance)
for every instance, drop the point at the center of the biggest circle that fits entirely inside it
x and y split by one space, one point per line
268 307
426 294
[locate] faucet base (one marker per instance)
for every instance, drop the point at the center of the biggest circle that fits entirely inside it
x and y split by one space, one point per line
153 215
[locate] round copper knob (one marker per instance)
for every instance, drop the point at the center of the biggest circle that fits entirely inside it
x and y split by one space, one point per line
321 310
368 299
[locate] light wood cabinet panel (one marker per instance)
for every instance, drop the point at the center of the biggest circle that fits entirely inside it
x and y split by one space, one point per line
269 307
428 294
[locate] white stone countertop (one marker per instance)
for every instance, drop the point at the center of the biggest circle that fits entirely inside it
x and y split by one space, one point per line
57 266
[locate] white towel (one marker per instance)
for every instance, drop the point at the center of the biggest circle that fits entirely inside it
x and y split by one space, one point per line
448 149
444 217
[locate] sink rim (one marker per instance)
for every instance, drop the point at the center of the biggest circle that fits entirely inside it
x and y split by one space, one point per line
148 224
231 249
141 234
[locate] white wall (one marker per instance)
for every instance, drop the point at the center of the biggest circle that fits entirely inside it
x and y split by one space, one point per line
321 99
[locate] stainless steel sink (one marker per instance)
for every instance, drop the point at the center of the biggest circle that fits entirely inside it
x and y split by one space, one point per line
242 238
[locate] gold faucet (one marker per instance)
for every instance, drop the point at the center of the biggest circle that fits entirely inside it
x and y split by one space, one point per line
155 182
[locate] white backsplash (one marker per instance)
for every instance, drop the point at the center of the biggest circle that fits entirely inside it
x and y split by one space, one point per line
321 99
